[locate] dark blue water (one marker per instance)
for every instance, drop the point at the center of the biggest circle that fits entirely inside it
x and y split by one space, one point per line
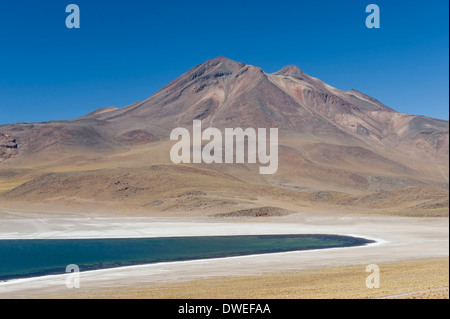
36 257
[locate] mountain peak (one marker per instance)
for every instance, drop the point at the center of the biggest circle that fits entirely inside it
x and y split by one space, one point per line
292 70
222 64
220 58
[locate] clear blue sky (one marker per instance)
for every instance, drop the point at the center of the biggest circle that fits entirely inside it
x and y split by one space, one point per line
127 50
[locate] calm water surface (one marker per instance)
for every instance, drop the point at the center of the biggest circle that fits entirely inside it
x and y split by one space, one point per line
36 257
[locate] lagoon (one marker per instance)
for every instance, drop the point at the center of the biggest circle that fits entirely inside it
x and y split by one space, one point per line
20 258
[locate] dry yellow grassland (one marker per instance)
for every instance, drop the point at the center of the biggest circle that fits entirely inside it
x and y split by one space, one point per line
428 278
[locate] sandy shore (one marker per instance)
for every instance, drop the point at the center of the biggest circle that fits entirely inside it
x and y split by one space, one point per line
399 239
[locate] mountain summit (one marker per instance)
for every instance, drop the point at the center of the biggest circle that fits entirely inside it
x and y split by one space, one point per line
294 71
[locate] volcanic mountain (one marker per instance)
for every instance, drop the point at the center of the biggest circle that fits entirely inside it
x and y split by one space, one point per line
338 150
